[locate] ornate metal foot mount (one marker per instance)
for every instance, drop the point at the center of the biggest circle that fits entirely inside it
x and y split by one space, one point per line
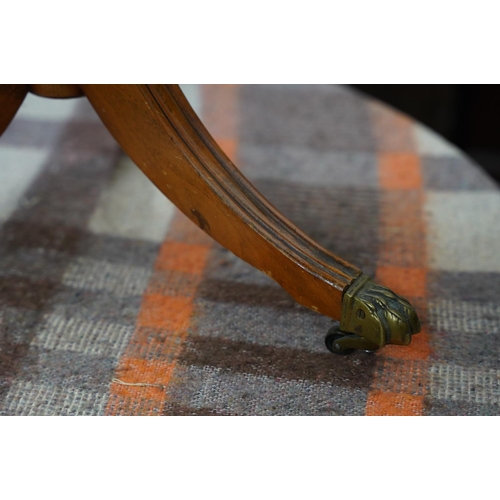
372 316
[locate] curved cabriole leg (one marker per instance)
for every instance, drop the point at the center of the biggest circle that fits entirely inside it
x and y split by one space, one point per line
11 98
157 128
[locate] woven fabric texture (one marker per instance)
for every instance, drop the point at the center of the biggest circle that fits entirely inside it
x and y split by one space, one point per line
114 303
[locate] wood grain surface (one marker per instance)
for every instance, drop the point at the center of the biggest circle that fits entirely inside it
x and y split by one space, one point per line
56 91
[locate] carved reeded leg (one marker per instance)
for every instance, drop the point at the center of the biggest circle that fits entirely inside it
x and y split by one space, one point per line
157 128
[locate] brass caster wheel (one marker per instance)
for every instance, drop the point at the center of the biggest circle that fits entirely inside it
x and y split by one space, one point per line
340 342
332 344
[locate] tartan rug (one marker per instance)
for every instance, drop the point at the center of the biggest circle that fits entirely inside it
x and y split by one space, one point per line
113 303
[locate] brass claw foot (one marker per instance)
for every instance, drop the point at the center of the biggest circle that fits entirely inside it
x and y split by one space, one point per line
372 316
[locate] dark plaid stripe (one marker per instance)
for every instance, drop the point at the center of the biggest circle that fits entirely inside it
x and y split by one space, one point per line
282 363
37 244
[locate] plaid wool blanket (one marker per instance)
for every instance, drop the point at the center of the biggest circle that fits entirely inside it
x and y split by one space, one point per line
114 303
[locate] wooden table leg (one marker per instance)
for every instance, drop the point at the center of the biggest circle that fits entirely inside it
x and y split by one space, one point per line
11 98
158 129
